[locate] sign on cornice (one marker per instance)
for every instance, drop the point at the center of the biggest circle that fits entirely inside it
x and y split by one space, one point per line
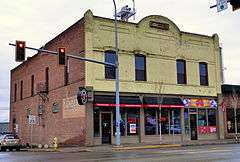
159 25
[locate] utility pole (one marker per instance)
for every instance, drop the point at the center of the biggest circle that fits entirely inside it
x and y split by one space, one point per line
124 14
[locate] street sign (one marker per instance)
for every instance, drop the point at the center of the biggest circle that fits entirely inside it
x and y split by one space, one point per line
222 5
82 96
32 120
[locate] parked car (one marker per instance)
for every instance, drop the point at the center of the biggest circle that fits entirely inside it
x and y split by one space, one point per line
9 141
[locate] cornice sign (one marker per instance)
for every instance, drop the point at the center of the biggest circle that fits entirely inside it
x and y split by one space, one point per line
159 25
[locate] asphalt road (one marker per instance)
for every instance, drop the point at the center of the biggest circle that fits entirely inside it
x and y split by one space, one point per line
219 153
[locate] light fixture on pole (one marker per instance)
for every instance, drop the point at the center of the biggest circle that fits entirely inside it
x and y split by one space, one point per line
125 13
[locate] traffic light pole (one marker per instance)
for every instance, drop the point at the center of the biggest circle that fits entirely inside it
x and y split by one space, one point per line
68 56
38 49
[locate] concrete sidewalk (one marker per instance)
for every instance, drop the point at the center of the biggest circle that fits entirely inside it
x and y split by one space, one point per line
126 147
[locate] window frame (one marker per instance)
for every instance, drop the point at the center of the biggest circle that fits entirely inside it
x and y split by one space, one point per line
32 85
110 72
204 82
179 74
21 90
144 71
47 78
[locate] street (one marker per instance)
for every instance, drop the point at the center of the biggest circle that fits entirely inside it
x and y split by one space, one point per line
204 153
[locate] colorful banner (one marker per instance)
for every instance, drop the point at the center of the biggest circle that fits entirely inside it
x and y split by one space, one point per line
194 102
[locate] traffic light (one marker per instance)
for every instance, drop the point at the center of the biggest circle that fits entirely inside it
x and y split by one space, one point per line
61 56
20 51
235 4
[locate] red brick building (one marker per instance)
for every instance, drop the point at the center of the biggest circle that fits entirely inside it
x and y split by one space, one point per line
43 73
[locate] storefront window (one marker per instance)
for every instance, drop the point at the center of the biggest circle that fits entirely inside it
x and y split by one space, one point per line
164 120
122 122
96 122
202 117
150 121
175 122
132 121
230 120
186 121
211 117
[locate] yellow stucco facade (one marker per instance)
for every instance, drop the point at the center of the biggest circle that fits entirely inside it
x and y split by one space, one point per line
161 47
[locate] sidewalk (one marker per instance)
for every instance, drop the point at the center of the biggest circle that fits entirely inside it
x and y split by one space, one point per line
126 147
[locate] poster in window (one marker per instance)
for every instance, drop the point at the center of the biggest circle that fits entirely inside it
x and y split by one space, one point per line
133 129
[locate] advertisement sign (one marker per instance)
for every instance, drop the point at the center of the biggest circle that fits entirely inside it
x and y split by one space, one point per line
133 128
207 129
199 102
32 119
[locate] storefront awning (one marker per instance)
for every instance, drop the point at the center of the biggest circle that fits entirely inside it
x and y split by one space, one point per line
134 101
164 102
125 101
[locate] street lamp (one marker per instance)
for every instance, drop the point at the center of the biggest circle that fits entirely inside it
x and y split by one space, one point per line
124 14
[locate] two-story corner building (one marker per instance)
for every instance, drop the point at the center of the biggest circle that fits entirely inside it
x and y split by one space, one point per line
169 85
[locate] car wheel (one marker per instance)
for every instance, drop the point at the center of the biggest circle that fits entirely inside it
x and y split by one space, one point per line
17 148
3 149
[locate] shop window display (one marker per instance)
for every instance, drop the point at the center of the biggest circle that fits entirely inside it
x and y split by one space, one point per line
202 117
122 122
132 122
211 117
150 121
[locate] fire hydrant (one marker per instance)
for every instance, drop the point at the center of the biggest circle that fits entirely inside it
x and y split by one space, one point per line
55 143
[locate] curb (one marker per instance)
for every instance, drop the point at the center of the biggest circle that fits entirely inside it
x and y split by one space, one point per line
147 147
58 150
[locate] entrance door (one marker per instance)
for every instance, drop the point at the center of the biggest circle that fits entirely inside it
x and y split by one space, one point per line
106 128
193 126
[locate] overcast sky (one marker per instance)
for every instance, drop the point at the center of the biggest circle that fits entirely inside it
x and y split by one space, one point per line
37 22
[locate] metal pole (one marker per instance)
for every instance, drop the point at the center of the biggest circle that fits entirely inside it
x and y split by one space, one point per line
31 138
235 120
118 115
173 126
38 49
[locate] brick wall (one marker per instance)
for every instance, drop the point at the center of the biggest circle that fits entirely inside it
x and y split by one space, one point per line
68 130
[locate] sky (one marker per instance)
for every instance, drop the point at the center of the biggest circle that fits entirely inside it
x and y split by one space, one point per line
37 22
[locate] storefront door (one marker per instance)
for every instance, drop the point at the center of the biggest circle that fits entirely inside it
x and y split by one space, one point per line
106 128
193 126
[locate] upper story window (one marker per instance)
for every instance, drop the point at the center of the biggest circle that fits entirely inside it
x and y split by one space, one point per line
32 85
140 68
110 57
15 92
21 90
181 72
47 78
203 71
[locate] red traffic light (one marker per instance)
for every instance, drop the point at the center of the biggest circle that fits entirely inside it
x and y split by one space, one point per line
61 56
20 51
